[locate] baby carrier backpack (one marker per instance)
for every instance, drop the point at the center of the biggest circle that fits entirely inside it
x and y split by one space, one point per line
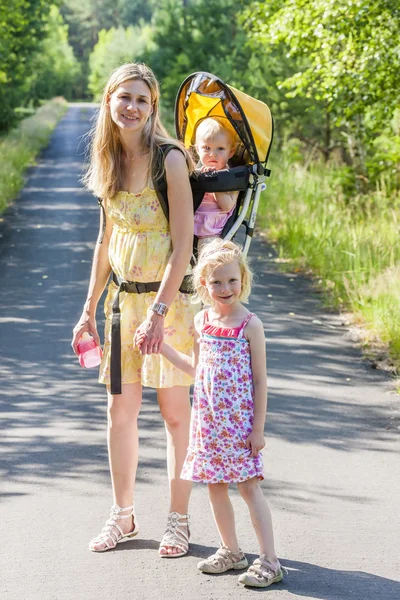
203 95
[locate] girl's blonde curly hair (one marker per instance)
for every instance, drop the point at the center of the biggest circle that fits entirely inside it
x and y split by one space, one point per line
214 254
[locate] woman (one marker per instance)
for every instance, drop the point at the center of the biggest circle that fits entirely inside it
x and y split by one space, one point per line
139 245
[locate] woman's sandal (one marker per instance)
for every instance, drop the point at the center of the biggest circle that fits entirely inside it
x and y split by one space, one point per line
176 535
112 534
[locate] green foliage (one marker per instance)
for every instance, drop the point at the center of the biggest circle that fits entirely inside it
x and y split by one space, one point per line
198 36
55 68
115 47
353 253
87 18
21 31
351 49
20 146
349 64
380 302
385 165
339 218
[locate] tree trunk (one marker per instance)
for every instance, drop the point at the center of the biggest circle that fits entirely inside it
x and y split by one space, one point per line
355 140
327 135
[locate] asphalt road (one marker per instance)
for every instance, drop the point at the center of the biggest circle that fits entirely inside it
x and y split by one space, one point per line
332 456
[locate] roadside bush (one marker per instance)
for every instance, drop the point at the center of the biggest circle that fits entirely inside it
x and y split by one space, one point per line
350 244
20 146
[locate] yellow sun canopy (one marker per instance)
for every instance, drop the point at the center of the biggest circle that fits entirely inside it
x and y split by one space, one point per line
203 95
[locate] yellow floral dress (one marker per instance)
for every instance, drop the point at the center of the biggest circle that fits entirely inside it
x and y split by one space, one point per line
139 250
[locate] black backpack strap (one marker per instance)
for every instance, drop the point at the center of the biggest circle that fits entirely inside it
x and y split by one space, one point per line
159 176
161 188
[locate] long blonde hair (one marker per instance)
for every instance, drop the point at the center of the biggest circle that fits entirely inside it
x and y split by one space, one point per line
104 176
214 254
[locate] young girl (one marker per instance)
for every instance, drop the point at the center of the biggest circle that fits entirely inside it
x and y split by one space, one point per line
229 407
215 145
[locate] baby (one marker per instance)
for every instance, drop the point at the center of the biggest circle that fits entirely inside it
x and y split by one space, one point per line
215 145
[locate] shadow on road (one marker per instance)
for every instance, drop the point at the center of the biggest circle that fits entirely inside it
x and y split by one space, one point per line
311 581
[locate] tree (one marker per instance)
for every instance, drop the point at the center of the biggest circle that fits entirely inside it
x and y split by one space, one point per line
115 47
350 60
86 20
22 27
198 36
55 68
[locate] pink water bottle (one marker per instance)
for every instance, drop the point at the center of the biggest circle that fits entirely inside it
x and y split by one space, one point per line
89 353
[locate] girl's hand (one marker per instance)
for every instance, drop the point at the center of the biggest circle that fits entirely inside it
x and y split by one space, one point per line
255 442
207 169
153 330
85 324
139 339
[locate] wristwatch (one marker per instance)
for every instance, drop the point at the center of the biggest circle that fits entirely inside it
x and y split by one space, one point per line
159 308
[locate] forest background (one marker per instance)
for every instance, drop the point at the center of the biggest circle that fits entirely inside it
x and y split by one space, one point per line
328 69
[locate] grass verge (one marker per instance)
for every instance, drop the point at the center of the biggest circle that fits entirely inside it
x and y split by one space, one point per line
350 245
19 147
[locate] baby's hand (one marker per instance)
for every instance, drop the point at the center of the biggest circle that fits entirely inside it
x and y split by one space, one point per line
139 339
207 169
255 442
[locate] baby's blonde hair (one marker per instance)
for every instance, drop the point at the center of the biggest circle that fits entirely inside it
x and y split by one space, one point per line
209 128
214 254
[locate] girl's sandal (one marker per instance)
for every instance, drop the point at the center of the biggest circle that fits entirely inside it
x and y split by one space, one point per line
223 560
176 535
112 534
261 574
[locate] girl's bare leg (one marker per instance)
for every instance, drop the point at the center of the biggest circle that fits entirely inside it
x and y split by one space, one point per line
123 447
223 514
175 409
252 494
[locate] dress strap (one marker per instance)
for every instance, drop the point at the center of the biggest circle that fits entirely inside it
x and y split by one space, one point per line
243 325
205 318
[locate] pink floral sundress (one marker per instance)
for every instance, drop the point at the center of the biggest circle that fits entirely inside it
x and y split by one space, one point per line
223 409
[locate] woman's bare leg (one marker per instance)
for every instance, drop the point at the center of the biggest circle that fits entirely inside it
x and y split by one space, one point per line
175 409
123 447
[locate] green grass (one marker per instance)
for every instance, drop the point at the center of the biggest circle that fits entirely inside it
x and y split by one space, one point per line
19 148
351 246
